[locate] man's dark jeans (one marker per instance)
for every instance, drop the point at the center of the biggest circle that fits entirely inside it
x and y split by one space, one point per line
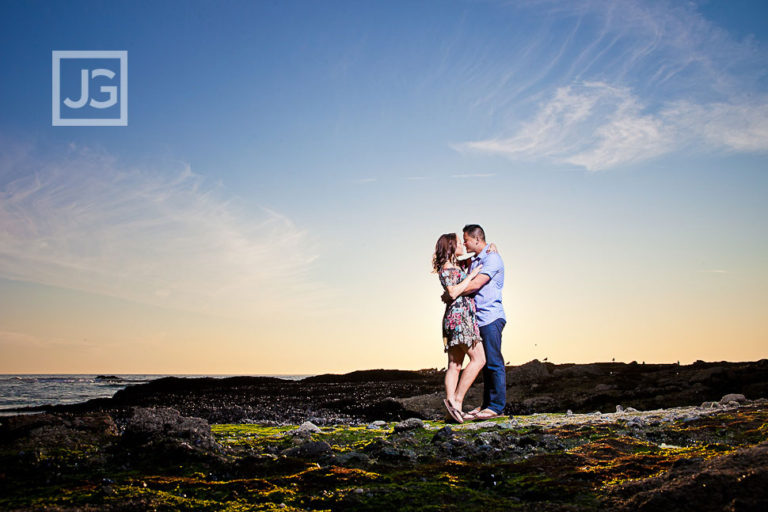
494 373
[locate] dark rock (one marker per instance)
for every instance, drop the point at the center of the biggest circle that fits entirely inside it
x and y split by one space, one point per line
365 376
442 435
579 371
309 450
30 431
530 372
706 375
736 481
524 441
352 459
489 438
386 451
152 425
733 397
540 404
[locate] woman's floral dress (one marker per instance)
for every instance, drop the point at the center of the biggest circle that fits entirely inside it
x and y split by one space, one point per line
460 319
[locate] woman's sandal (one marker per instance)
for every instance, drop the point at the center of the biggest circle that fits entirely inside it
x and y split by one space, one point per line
454 412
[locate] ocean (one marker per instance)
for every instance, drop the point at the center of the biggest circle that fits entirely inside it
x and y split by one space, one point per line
26 390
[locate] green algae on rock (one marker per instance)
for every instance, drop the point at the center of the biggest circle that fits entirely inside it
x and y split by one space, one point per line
535 462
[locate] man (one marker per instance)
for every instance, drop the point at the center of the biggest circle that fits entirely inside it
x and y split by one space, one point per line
486 288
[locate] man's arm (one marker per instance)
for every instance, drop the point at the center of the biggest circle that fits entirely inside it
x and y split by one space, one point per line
491 267
475 284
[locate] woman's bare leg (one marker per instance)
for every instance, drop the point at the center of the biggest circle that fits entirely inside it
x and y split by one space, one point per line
468 376
455 359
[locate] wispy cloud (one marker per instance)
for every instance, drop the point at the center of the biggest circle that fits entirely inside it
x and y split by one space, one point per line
364 180
598 127
625 81
81 220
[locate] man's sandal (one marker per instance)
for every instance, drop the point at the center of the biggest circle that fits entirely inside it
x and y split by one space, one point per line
487 414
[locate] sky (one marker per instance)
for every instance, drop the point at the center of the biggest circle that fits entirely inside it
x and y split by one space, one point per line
272 205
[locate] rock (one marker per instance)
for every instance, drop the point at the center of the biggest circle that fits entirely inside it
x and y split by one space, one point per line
735 481
619 408
630 409
489 438
707 374
551 442
733 397
569 412
352 459
525 441
602 387
308 427
309 450
32 431
512 423
442 435
152 425
384 450
636 422
710 405
409 424
539 403
579 371
530 372
478 425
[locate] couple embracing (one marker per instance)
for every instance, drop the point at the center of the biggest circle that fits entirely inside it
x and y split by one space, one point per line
472 273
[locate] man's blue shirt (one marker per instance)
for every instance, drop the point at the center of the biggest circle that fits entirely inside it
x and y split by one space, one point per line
488 298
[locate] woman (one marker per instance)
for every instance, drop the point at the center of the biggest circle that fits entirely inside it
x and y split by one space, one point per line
461 335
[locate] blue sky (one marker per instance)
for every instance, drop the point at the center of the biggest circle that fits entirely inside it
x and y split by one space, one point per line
288 166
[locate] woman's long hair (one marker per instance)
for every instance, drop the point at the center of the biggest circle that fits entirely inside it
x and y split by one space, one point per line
445 250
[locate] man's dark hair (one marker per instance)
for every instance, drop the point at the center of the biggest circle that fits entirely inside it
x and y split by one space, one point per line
475 231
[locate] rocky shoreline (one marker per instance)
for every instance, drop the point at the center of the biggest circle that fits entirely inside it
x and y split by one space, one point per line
363 396
578 437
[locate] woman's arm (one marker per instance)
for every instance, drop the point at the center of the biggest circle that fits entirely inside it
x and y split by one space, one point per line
457 289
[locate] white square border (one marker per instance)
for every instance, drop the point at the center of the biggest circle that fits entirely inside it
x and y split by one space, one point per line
56 57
